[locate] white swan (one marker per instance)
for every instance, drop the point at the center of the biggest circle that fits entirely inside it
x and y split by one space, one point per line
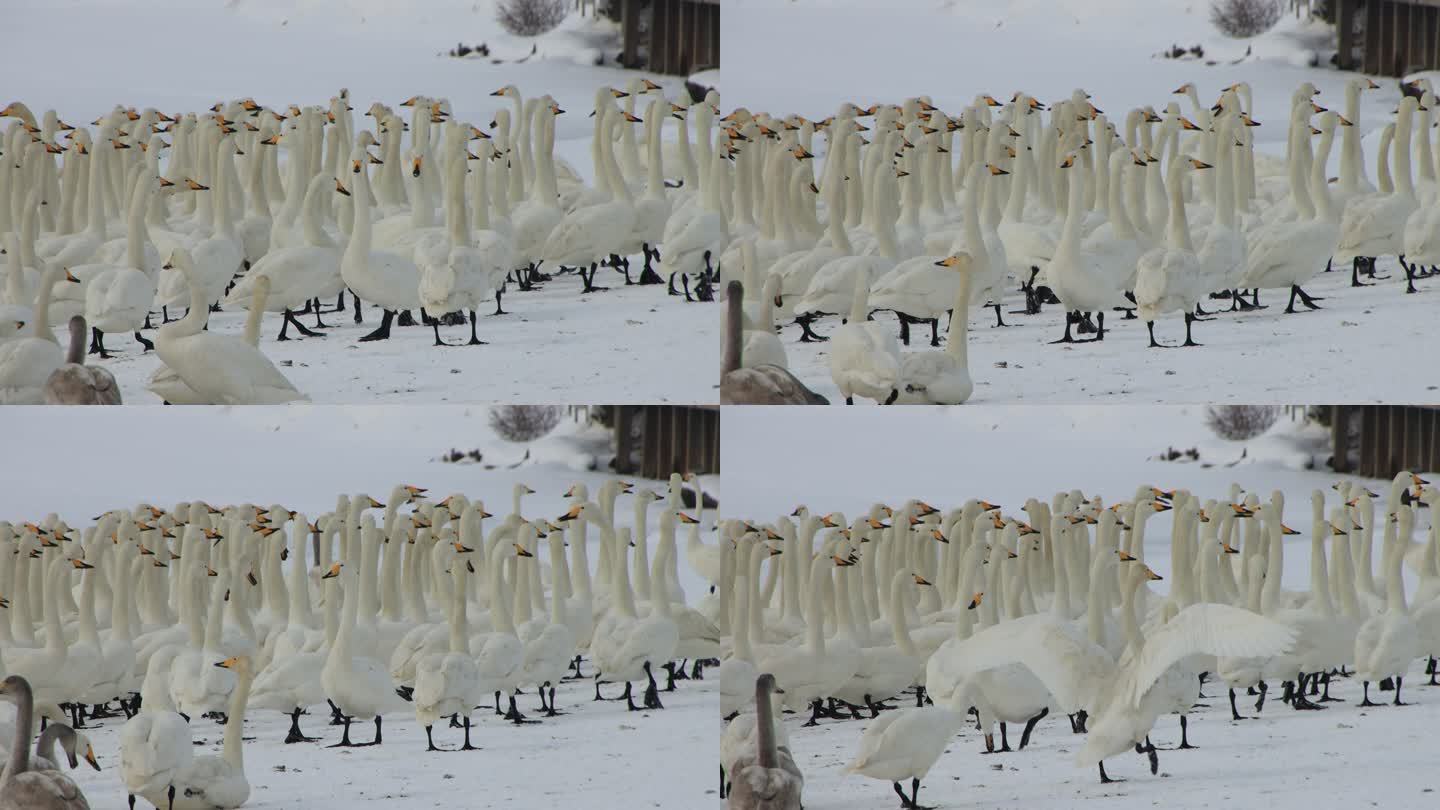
449 683
943 377
389 280
26 363
864 355
1387 643
223 369
905 744
762 346
155 745
217 783
1169 277
359 685
300 272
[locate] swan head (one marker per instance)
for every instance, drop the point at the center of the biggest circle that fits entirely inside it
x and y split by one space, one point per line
956 261
333 572
15 685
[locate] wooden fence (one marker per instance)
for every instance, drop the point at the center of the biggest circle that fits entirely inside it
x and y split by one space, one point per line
673 438
1395 37
680 36
1392 438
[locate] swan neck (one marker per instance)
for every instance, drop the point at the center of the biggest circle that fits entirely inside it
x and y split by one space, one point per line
234 746
19 760
766 753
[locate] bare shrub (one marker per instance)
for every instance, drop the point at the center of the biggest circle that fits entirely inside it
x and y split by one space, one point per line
524 423
1242 19
530 18
1240 422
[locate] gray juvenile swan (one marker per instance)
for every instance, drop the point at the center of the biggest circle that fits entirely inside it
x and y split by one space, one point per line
71 742
20 787
770 780
761 385
76 383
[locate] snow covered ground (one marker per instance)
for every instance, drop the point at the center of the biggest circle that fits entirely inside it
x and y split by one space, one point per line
625 345
808 57
777 458
597 755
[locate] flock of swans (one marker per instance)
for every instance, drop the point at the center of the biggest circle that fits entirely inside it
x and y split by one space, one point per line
149 213
413 607
1159 219
1011 619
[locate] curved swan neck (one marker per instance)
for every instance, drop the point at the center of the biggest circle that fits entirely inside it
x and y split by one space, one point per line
19 760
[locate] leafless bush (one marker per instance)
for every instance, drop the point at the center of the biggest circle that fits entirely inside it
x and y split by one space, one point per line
530 18
1242 19
524 423
1241 422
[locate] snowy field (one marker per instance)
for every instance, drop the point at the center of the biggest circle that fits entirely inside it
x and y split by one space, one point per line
596 755
808 57
634 344
1344 756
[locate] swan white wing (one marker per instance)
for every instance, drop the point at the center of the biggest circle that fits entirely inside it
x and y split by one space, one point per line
1208 629
1071 667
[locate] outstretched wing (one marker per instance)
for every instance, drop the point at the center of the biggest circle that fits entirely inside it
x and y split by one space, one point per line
1207 629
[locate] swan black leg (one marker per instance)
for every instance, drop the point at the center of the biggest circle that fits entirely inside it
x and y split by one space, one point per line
935 332
1234 712
1154 344
1189 341
344 738
652 693
304 330
436 325
629 699
1184 733
474 340
468 746
814 715
1325 695
1430 669
648 274
1154 757
319 324
1355 273
358 318
670 286
807 335
406 319
1397 702
1070 318
1105 780
1260 702
1030 726
383 332
144 344
1365 700
430 740
97 344
498 293
295 734
999 321
685 283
